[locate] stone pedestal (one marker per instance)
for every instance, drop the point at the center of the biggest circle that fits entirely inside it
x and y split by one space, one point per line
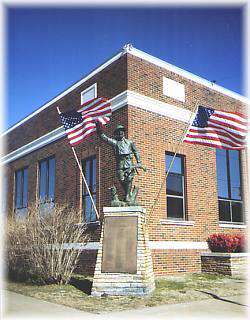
124 263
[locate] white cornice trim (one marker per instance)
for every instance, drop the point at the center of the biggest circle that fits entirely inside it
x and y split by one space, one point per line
125 98
34 145
165 109
186 74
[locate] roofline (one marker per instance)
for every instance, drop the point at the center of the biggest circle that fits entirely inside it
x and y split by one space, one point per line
61 95
186 74
145 56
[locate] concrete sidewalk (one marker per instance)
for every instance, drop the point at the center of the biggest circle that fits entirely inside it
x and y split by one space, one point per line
18 306
230 308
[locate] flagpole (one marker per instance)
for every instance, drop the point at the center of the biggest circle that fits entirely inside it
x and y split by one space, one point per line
84 179
99 176
86 184
172 161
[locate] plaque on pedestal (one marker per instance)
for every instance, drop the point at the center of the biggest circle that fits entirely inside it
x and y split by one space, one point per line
120 245
124 263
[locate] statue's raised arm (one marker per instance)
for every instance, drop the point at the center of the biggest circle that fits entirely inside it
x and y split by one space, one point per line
124 150
103 136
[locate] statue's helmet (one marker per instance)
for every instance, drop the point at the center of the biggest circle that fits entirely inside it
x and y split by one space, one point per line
119 128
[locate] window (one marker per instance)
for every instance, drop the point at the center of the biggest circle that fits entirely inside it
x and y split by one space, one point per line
89 170
175 187
229 185
173 89
89 93
21 188
4 203
47 180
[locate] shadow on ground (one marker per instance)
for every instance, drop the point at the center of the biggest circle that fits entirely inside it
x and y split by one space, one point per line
84 285
222 299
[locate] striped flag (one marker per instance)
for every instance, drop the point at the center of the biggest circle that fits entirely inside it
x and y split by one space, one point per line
82 123
219 129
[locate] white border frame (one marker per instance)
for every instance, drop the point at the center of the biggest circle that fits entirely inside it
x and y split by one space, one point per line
88 89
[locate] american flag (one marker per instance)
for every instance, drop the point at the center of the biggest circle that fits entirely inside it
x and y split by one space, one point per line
82 123
219 129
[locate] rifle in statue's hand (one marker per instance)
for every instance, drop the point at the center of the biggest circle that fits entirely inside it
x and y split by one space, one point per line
136 167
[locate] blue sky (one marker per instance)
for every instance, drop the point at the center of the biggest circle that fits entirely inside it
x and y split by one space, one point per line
50 49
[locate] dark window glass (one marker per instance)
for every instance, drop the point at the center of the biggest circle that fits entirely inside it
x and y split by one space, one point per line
237 213
94 176
43 180
25 187
177 166
52 179
21 192
229 185
222 178
175 184
175 208
19 189
234 173
224 210
89 170
175 189
4 203
47 180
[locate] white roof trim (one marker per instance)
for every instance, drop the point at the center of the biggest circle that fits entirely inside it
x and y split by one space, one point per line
144 56
186 74
125 98
77 84
34 145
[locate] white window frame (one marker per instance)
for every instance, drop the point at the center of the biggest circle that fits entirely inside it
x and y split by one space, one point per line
88 89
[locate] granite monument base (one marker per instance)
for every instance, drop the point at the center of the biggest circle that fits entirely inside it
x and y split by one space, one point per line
124 263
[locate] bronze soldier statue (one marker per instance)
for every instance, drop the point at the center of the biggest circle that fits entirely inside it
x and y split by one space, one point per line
124 150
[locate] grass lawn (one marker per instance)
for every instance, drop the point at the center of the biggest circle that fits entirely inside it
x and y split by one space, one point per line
169 290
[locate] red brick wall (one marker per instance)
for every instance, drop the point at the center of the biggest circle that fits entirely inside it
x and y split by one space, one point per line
233 264
153 135
175 261
86 263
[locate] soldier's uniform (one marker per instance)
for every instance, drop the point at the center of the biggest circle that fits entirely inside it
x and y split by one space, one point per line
124 150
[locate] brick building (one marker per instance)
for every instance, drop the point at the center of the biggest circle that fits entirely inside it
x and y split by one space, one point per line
207 187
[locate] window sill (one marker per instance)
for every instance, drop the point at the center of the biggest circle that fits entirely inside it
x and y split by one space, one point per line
177 222
232 225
